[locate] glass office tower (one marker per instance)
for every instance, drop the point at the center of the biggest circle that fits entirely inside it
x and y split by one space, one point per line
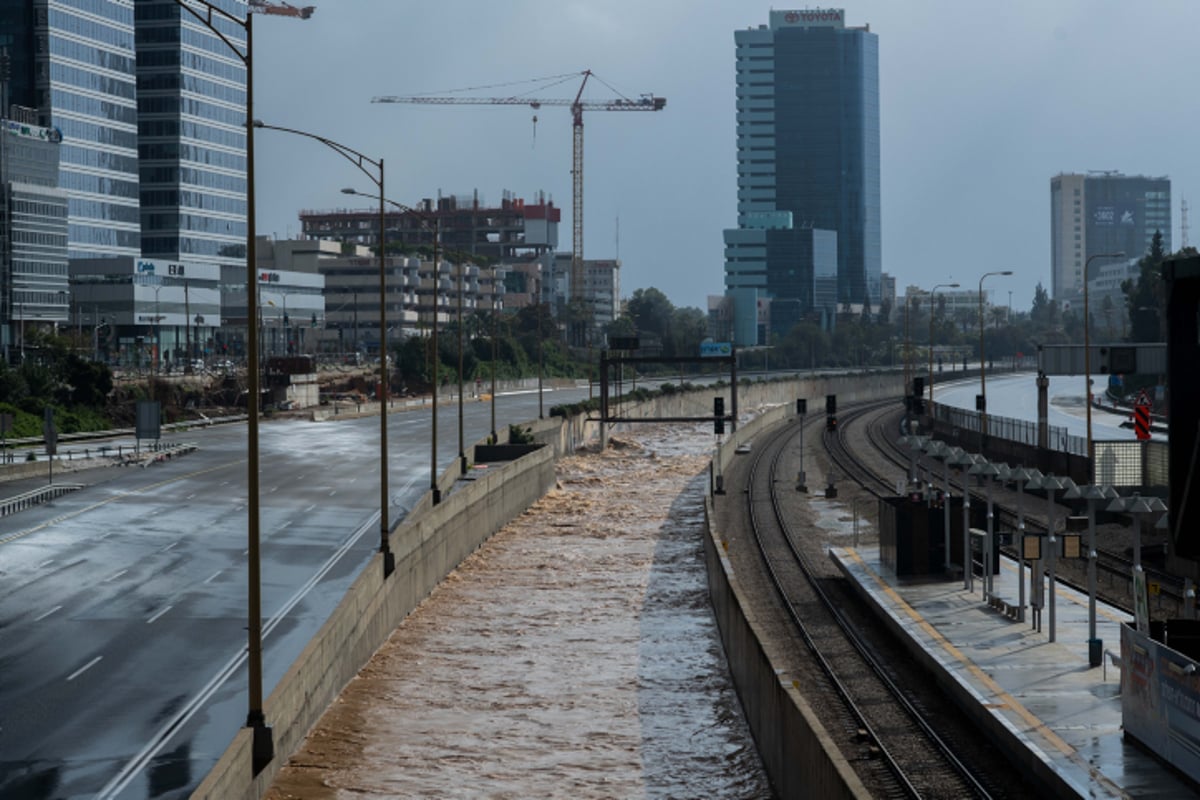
73 64
808 158
192 135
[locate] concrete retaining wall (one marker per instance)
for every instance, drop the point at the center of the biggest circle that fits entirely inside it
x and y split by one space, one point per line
427 547
800 758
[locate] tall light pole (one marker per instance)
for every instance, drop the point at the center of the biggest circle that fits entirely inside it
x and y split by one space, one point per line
433 222
907 345
462 457
1087 356
373 169
983 427
931 291
495 332
263 742
541 414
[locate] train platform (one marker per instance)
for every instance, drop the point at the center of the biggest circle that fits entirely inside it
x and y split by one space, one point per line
1053 714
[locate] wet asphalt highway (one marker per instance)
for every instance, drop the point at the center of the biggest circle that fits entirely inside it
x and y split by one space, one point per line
122 606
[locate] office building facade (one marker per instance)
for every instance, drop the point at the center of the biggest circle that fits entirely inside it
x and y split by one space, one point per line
1102 212
33 233
808 159
191 101
150 109
74 64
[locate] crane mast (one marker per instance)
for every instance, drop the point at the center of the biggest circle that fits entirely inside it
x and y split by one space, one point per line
577 105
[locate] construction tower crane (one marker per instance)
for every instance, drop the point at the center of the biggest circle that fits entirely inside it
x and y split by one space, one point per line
578 105
280 9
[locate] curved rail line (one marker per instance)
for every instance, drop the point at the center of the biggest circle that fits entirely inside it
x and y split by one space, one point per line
937 764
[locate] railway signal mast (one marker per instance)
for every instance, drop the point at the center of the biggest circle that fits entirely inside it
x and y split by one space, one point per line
578 105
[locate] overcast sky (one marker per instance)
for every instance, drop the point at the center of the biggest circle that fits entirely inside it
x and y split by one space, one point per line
981 104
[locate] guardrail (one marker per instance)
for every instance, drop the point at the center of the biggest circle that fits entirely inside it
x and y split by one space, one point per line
87 436
36 496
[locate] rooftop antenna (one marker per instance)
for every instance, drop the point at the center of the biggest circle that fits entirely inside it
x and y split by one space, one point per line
1183 221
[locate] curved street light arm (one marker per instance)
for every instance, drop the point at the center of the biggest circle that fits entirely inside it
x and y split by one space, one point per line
207 21
349 153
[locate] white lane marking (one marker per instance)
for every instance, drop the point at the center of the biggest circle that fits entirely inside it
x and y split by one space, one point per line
352 480
190 496
310 508
168 547
46 614
114 577
273 490
209 579
84 668
159 613
245 552
163 736
331 494
104 535
45 563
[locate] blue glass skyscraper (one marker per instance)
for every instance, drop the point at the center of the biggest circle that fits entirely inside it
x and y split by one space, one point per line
74 64
808 160
191 98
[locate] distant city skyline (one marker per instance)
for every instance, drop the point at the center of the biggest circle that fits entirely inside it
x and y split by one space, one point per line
971 129
980 107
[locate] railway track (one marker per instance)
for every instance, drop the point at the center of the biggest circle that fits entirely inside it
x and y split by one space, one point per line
900 747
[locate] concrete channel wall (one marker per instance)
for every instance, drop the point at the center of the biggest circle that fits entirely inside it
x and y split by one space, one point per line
433 540
801 759
427 546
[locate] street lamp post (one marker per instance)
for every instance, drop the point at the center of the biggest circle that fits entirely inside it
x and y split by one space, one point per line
373 169
931 291
432 221
983 426
541 347
495 332
263 743
1087 355
462 457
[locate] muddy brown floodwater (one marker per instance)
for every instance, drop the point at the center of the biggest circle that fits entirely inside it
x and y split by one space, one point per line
574 655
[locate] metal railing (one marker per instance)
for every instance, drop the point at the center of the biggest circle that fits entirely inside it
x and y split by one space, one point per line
1118 462
34 497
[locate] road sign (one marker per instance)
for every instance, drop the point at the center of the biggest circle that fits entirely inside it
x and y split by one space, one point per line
1143 398
710 349
1141 421
50 432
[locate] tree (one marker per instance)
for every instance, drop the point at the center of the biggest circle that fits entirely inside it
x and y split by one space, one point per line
1041 311
689 327
651 311
1144 295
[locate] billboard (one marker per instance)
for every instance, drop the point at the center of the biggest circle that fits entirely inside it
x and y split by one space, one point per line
715 349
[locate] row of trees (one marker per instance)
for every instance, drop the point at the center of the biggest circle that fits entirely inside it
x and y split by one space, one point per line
876 339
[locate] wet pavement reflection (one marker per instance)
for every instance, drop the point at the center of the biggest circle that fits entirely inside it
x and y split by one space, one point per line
574 654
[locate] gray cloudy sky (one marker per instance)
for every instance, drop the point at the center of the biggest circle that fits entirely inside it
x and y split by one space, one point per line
981 104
